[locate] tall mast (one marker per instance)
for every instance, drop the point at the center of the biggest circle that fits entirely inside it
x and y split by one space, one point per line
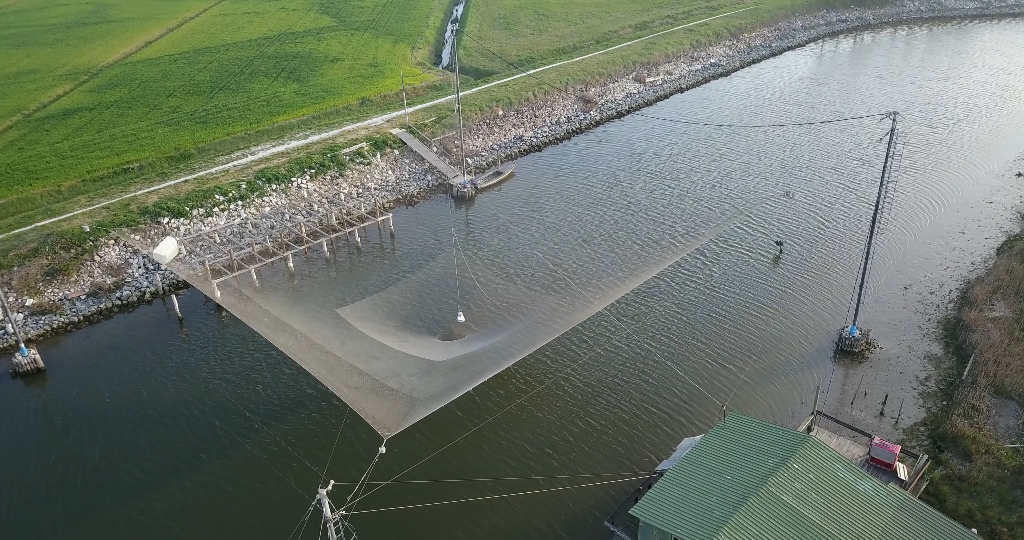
10 319
405 103
886 166
458 101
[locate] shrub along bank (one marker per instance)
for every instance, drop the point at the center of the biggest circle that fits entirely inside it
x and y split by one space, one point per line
975 416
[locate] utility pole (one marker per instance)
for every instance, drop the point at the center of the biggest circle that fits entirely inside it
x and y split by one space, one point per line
405 103
886 167
13 323
458 103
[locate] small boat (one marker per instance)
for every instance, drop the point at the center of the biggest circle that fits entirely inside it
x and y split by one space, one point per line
494 176
467 188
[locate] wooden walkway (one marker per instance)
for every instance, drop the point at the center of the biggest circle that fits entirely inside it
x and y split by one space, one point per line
427 154
857 453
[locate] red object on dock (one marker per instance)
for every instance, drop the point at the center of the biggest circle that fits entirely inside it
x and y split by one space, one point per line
883 453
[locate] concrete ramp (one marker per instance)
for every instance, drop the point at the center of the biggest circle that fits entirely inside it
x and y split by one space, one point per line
427 153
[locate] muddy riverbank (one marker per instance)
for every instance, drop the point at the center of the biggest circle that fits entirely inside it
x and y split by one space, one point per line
119 277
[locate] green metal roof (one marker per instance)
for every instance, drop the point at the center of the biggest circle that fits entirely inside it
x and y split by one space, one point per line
752 479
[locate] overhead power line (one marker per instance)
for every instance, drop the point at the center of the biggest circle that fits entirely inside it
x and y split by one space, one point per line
501 478
487 497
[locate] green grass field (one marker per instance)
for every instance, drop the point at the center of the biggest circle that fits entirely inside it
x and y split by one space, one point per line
532 32
95 86
102 98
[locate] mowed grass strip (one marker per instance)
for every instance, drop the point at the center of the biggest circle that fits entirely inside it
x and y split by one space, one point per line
243 65
535 32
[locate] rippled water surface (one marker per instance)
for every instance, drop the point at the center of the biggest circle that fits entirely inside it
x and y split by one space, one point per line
143 428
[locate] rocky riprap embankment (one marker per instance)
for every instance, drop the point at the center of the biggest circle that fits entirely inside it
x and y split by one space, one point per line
510 134
120 276
130 277
378 185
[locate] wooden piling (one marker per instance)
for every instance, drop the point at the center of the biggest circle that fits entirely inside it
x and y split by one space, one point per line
177 310
26 362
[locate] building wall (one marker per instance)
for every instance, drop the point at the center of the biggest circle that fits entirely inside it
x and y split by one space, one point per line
650 532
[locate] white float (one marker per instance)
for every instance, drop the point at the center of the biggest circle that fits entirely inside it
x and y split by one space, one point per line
166 251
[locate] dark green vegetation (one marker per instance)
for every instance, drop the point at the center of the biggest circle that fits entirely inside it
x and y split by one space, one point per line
980 480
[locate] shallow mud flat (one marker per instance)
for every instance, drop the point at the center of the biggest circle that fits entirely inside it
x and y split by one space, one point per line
905 322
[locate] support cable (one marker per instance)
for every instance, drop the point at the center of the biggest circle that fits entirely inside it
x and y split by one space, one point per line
614 318
314 469
336 438
303 520
358 490
678 120
232 433
499 478
306 521
471 274
487 497
478 426
455 258
737 386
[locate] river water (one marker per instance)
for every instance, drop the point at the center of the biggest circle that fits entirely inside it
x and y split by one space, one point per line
142 427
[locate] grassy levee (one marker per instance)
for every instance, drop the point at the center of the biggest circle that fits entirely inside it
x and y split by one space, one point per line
979 480
26 202
494 41
218 82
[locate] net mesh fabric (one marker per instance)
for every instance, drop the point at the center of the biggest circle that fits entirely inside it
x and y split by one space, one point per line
397 355
376 322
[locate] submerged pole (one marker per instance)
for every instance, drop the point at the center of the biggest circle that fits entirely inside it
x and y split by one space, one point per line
874 218
177 310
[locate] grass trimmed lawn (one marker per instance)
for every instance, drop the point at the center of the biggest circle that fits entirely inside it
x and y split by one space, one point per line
533 32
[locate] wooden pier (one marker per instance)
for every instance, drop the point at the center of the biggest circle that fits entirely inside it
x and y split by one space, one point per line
238 259
427 153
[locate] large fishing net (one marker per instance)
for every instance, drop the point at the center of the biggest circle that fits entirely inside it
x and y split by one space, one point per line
375 320
386 340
